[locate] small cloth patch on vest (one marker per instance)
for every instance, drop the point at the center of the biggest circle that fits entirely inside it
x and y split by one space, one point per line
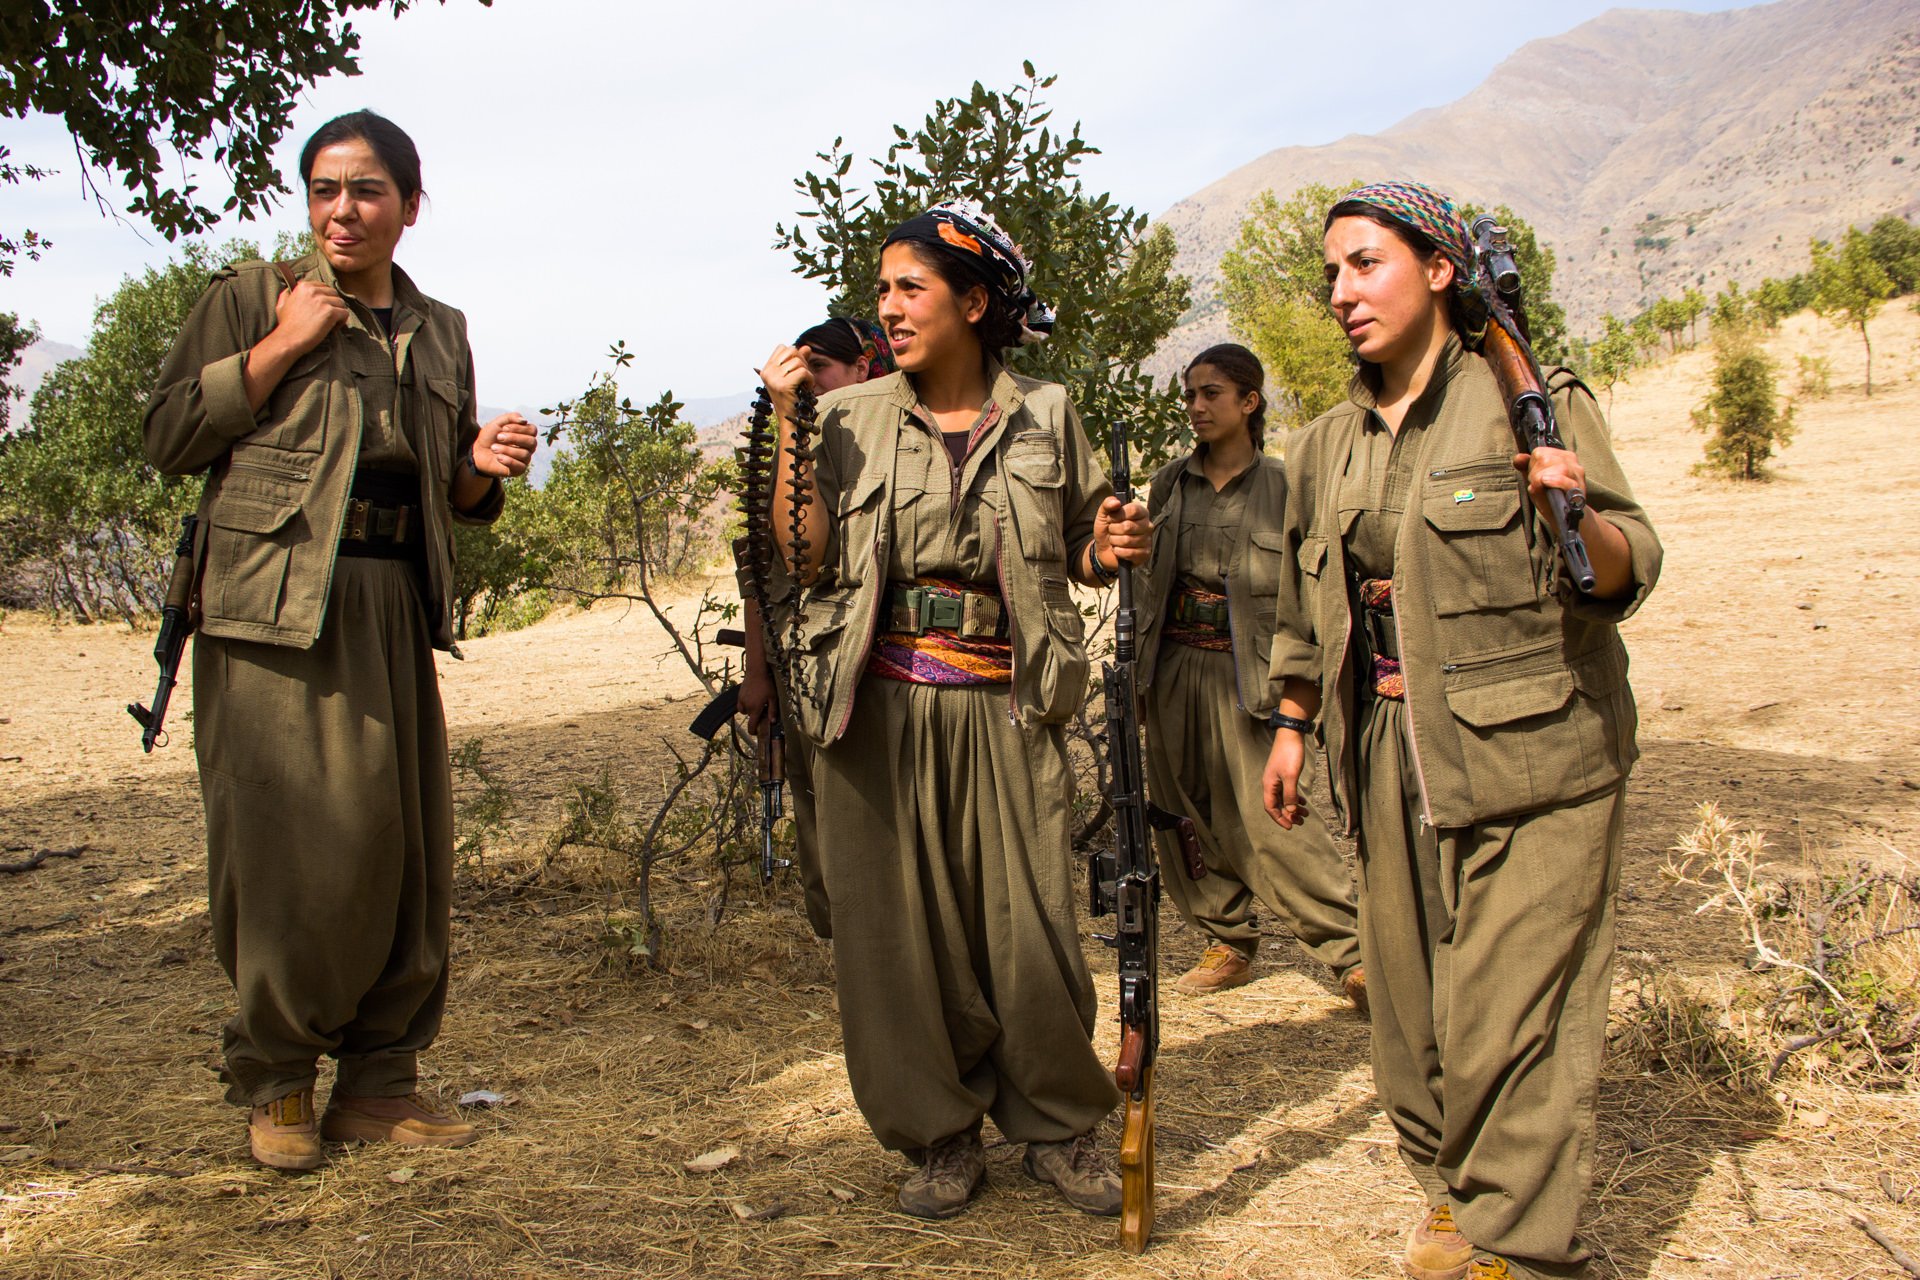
1462 495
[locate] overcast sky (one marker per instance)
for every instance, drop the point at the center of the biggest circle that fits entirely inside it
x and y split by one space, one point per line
602 169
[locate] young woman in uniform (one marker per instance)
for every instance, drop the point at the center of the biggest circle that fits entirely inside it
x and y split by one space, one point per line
839 352
1475 711
331 405
953 503
1204 652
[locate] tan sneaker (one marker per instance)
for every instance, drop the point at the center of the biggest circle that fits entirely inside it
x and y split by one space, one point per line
950 1171
282 1133
1220 967
408 1121
1353 985
1436 1250
1078 1172
1487 1266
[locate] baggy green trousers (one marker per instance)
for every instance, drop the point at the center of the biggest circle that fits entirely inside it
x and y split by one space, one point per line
1205 758
1489 954
329 840
945 832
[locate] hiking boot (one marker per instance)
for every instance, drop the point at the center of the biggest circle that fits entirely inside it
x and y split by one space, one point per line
282 1133
1353 985
1487 1266
1436 1250
408 1121
1220 967
950 1171
1078 1172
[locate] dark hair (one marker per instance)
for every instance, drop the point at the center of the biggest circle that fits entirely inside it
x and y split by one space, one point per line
837 339
390 143
999 328
1423 247
1242 369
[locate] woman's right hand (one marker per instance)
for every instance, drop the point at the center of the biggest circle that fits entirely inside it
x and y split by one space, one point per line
305 314
785 372
1280 783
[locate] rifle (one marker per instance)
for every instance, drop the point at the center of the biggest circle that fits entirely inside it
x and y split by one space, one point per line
1127 883
770 755
176 624
1510 355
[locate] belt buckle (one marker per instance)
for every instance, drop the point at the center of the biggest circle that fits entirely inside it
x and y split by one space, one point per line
979 616
358 509
903 616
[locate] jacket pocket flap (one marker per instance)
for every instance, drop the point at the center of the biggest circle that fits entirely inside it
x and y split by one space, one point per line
1034 458
1466 510
1274 540
1486 705
855 495
447 389
249 513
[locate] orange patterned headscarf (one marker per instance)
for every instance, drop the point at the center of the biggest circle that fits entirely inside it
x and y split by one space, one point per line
964 230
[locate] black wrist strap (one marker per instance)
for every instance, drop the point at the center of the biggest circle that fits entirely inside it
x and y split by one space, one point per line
1302 727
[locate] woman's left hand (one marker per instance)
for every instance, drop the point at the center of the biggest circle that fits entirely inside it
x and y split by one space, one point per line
1546 469
505 446
1122 532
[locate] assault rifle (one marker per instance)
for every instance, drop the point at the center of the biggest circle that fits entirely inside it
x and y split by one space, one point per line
1509 354
1127 883
176 624
770 755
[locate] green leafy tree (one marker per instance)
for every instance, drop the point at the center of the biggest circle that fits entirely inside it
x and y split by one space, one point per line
1096 262
1733 309
15 338
1614 356
1894 243
1669 316
1742 414
1694 303
1646 334
1849 287
147 86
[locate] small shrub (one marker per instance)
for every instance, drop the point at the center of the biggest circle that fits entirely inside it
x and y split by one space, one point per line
1816 377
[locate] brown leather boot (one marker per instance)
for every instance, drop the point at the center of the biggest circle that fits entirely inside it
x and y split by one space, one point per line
1353 985
950 1171
408 1121
1078 1171
282 1134
1436 1250
1220 967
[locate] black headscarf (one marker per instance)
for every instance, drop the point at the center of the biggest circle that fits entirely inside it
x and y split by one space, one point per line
963 230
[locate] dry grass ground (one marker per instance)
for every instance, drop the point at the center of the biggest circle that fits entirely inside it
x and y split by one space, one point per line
1776 673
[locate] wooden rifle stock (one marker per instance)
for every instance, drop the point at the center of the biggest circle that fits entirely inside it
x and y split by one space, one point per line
1136 1167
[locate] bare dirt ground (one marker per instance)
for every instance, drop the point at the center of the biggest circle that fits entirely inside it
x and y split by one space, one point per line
1776 675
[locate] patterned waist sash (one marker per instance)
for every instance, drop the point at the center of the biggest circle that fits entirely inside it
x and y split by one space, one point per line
1376 602
1198 619
940 655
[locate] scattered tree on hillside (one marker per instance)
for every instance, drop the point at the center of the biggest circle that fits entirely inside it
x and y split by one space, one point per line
1849 287
1273 282
1894 243
1732 309
15 338
1669 316
1096 262
1694 303
145 85
1775 300
1646 334
1742 413
1614 356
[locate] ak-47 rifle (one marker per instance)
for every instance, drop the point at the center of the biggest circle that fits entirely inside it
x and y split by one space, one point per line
176 624
1510 355
1127 883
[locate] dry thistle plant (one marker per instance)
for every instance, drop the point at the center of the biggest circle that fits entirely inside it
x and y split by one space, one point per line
1836 949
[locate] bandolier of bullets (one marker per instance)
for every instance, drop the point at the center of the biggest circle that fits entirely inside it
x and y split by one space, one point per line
757 458
800 452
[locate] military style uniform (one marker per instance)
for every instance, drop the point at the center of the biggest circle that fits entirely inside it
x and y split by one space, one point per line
317 718
1487 785
1207 734
963 990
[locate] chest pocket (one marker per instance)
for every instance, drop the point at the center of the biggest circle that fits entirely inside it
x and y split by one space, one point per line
1477 557
1035 478
297 411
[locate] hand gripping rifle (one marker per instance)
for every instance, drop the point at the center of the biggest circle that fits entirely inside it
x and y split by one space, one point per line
1127 883
1497 282
176 624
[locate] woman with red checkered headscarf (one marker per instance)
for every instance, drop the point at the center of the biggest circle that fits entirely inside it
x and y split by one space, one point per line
1478 727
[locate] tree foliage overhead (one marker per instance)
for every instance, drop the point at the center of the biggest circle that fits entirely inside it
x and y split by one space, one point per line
1106 275
146 86
1274 284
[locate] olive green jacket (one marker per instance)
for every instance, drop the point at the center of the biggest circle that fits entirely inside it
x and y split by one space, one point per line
278 481
1049 489
1516 685
1253 577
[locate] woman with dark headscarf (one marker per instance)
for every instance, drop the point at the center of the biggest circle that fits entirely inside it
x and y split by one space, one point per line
1479 728
1205 638
941 653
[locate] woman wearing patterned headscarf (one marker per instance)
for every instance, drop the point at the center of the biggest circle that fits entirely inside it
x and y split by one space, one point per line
941 653
1478 727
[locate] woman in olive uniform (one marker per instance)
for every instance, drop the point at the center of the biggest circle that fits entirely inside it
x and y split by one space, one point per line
1204 654
331 405
942 652
1476 715
840 352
